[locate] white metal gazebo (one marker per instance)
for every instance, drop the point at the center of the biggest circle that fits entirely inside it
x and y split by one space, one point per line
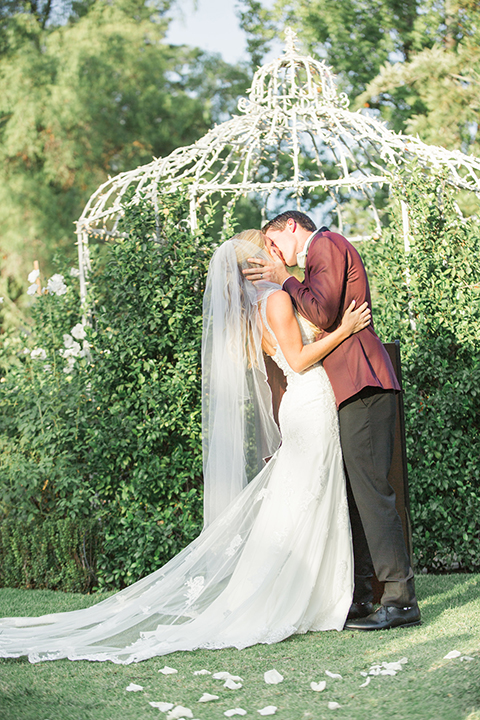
294 135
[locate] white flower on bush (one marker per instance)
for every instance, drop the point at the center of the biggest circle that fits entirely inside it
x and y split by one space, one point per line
47 368
68 369
71 353
38 354
72 347
74 272
33 276
56 285
1 300
78 332
32 289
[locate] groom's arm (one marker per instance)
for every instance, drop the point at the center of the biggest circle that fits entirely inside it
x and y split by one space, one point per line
320 300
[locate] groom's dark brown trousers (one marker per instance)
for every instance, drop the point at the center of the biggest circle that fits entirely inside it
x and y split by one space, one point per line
364 384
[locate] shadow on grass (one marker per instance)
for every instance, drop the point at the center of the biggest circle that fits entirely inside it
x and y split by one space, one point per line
437 593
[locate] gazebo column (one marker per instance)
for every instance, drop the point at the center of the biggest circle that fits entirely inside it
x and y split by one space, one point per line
193 210
407 248
83 264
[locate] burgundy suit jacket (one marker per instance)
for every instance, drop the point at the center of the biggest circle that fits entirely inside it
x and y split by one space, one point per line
334 276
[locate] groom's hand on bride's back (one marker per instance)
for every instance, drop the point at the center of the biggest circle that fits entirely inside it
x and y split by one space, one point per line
273 270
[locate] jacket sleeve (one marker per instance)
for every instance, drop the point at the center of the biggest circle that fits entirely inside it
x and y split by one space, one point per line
320 301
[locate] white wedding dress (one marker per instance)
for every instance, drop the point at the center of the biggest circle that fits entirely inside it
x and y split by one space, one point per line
276 562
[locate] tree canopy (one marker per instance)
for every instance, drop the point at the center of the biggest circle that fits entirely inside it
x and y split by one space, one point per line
90 89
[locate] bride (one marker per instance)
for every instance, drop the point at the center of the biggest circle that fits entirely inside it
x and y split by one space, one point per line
275 556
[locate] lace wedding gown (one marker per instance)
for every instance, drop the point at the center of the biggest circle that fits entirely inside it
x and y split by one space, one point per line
277 561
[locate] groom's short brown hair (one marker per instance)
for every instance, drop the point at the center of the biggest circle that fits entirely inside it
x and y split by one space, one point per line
279 222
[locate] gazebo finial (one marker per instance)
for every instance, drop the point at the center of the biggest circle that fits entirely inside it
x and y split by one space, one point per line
290 41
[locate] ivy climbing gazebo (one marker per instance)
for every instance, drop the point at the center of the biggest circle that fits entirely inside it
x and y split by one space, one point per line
294 135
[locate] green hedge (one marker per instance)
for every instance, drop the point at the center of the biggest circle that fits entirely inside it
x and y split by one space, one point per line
440 362
100 466
54 553
115 443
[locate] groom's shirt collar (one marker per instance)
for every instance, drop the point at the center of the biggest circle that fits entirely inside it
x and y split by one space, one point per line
302 256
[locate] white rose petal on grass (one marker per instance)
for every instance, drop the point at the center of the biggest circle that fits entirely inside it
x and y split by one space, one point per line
235 711
367 682
202 672
227 676
32 276
466 658
268 710
32 289
397 666
334 676
272 677
231 685
333 705
179 712
206 697
162 706
318 687
134 688
386 668
168 671
452 654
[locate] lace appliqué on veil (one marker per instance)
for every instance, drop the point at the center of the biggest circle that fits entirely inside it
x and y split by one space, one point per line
264 494
195 587
234 545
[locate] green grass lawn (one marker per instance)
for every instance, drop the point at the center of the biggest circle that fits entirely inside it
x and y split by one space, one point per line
428 688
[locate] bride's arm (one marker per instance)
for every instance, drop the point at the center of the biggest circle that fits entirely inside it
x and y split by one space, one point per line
283 322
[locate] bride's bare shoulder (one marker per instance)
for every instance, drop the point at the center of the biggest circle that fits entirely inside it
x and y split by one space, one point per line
279 303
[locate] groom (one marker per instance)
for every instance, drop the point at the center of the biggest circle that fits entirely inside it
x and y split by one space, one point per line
365 385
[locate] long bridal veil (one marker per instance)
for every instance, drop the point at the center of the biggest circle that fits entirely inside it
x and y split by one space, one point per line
176 607
239 431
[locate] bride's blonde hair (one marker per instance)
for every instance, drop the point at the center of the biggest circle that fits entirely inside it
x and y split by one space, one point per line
250 237
246 244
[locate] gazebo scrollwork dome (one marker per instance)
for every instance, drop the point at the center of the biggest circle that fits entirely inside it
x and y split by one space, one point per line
294 134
